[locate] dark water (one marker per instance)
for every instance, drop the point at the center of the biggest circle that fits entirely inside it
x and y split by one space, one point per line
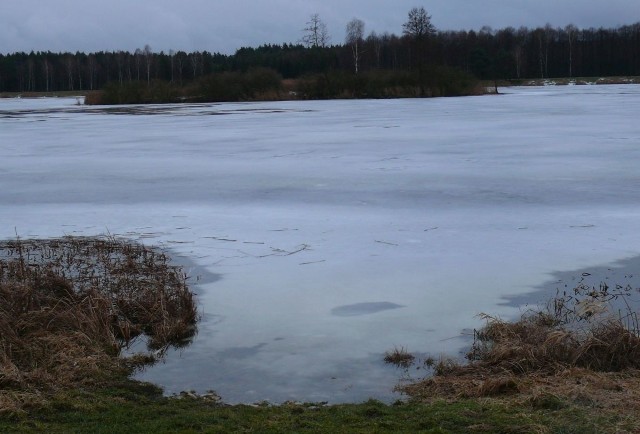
620 277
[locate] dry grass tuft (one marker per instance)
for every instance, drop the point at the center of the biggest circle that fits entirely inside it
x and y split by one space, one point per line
497 386
578 330
69 306
399 357
537 344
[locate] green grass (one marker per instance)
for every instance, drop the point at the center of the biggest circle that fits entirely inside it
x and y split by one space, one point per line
133 407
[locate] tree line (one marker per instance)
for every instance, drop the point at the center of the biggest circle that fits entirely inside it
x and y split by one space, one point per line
507 53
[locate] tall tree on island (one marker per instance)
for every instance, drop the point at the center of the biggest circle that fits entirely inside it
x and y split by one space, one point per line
316 33
418 24
418 28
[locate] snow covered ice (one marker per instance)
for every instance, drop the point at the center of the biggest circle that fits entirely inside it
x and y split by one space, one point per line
320 234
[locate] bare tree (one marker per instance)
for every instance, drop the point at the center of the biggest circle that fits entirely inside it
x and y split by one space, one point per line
195 62
79 68
91 68
148 58
138 58
172 56
180 61
550 34
129 64
418 28
47 74
418 24
572 32
120 56
376 41
540 36
316 33
69 64
355 33
519 52
31 78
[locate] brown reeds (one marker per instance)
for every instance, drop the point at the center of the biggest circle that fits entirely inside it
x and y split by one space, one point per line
588 333
399 357
69 306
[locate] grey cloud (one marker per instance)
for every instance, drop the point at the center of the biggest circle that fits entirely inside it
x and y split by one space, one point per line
225 25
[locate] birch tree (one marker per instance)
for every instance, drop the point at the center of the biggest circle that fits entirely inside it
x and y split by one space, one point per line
355 33
148 58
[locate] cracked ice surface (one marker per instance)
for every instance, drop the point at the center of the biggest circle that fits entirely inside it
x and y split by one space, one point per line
320 234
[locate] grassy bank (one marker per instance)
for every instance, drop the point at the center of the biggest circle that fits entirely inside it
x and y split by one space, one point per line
138 408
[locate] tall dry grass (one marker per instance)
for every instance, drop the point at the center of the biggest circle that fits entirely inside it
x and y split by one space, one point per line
69 306
588 333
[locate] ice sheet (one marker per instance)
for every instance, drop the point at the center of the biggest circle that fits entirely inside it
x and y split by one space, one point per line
440 206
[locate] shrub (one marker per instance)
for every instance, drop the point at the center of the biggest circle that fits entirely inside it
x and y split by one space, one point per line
237 86
433 82
135 92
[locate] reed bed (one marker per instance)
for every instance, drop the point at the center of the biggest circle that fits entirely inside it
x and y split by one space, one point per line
70 306
584 346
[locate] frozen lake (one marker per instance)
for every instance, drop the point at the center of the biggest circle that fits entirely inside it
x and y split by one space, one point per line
321 234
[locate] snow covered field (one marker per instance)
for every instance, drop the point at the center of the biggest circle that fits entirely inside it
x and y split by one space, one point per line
320 234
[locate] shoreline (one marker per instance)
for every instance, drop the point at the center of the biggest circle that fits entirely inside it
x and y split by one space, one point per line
487 85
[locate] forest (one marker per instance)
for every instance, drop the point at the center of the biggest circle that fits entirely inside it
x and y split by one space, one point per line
418 57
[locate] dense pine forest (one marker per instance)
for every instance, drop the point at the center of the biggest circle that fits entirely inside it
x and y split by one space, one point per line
362 62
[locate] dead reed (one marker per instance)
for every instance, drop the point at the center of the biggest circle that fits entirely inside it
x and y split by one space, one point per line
588 333
399 357
69 306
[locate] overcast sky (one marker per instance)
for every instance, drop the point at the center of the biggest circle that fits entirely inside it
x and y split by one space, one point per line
226 25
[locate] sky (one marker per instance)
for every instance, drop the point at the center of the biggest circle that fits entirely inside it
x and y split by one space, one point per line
225 25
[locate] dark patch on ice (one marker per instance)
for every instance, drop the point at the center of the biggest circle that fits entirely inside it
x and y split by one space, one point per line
363 308
181 109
